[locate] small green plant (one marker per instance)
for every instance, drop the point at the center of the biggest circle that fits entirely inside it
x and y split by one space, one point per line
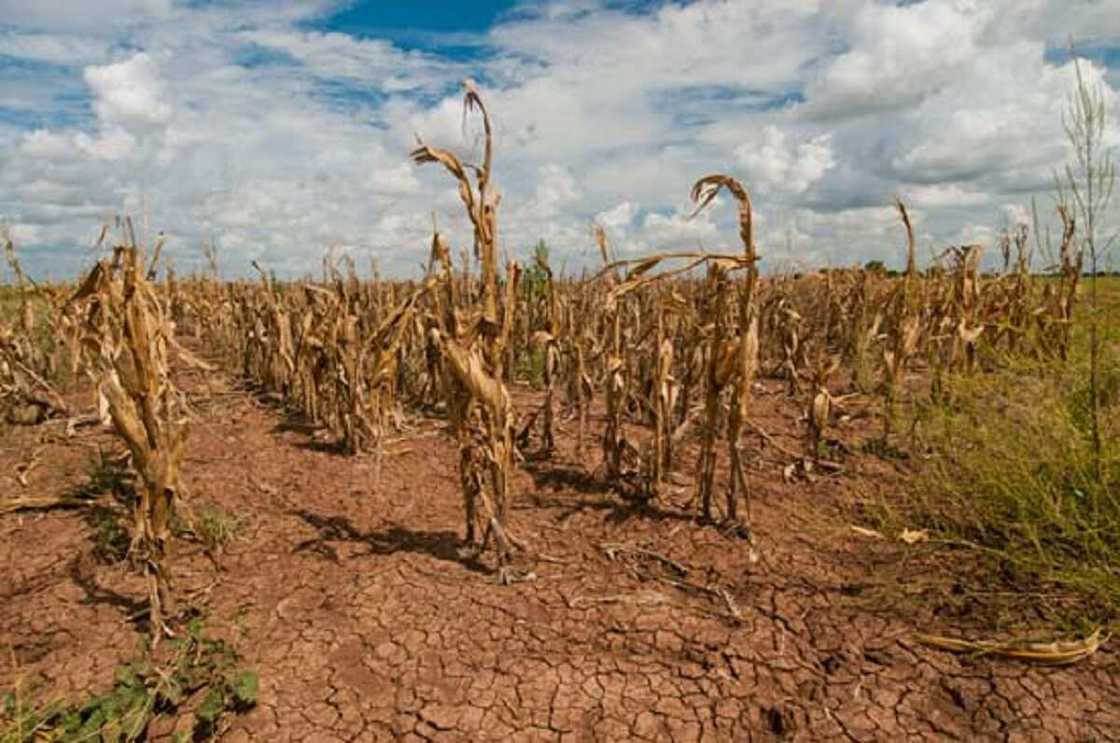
531 367
534 278
217 527
879 447
199 680
534 287
110 538
211 525
107 516
829 450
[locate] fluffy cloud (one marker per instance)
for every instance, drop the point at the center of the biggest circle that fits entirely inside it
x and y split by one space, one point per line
129 92
897 55
618 217
264 130
771 158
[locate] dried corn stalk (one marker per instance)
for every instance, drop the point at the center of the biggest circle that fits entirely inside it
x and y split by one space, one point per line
821 407
29 353
1060 299
734 361
614 441
473 352
126 341
907 329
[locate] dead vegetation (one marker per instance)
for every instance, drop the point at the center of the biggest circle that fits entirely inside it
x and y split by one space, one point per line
668 346
126 341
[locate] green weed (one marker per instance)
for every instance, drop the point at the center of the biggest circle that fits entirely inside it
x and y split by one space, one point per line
199 680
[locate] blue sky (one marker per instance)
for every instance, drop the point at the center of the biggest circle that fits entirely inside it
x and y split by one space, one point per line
281 131
453 30
376 19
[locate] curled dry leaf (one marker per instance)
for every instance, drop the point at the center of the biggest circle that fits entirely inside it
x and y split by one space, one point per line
23 469
1057 653
913 536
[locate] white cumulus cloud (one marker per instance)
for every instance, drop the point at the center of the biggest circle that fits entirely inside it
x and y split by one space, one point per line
261 128
129 91
770 157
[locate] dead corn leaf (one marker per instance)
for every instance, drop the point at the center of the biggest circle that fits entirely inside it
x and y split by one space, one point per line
23 469
913 536
1058 653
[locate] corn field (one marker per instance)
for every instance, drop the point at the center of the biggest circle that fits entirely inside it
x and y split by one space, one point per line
662 352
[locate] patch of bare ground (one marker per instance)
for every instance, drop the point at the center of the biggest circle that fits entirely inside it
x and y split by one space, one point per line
345 590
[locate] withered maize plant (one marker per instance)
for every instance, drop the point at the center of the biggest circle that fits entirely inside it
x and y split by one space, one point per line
733 353
652 359
36 346
470 335
127 340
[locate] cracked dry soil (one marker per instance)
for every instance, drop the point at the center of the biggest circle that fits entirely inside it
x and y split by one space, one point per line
345 592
